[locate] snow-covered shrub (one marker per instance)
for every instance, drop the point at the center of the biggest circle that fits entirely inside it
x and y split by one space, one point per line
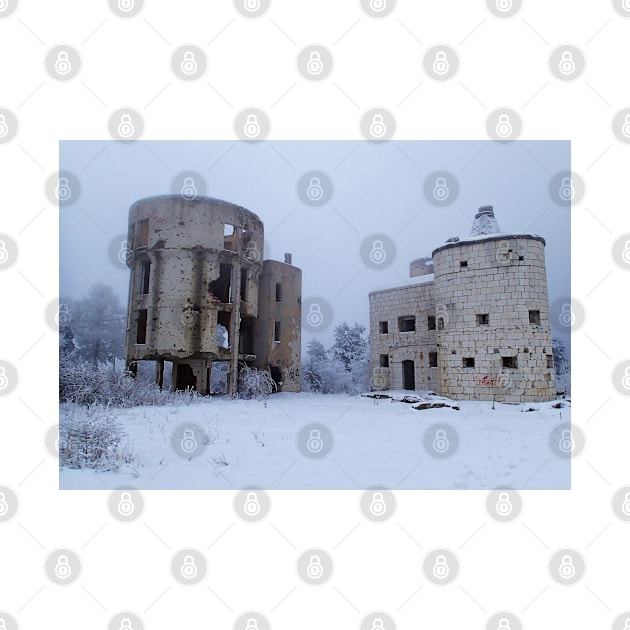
312 376
218 377
253 383
344 368
108 384
91 437
562 365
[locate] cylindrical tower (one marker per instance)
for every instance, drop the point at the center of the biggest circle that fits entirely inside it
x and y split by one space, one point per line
193 291
492 315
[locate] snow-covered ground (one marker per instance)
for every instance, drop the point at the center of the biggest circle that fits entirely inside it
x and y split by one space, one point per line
374 443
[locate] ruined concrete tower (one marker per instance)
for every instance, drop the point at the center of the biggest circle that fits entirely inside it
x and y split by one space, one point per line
477 329
197 283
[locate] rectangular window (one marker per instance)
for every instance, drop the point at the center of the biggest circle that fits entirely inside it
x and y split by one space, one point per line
432 359
463 264
383 328
549 361
243 284
229 237
407 323
276 331
440 323
431 322
220 288
278 292
384 360
141 336
508 362
534 317
143 240
483 319
468 362
146 275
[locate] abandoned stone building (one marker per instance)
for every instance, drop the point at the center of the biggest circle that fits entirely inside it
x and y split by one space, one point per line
200 293
475 325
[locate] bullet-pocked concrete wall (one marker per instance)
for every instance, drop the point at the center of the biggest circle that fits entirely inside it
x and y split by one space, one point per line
502 277
183 242
482 295
389 306
285 353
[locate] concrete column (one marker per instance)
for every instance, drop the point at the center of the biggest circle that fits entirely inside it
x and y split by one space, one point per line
235 320
159 372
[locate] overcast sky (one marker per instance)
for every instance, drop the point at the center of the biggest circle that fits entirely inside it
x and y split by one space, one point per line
377 189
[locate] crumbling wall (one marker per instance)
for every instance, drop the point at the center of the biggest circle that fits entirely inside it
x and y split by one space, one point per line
278 329
194 264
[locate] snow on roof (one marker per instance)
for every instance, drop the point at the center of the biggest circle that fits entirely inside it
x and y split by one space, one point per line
484 222
418 280
485 226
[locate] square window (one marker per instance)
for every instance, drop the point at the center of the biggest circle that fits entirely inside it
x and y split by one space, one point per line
534 317
276 331
384 360
407 324
431 322
468 362
433 359
508 362
383 328
463 264
483 319
549 361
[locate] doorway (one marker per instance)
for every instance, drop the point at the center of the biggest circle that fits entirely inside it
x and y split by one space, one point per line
185 377
409 379
276 375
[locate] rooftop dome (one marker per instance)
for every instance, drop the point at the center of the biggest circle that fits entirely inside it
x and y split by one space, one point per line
484 222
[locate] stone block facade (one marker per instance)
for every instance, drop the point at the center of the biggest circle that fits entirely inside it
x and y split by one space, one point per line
478 329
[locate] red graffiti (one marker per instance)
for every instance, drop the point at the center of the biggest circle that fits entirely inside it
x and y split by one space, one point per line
487 381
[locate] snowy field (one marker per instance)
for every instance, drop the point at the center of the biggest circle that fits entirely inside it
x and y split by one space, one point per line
314 441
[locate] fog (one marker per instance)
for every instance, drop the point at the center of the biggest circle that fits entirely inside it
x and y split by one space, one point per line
377 189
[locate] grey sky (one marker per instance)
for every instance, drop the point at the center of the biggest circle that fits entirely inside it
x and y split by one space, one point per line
377 189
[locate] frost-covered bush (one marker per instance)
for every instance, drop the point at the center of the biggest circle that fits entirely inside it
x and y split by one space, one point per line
343 369
91 437
106 384
330 376
218 377
253 383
